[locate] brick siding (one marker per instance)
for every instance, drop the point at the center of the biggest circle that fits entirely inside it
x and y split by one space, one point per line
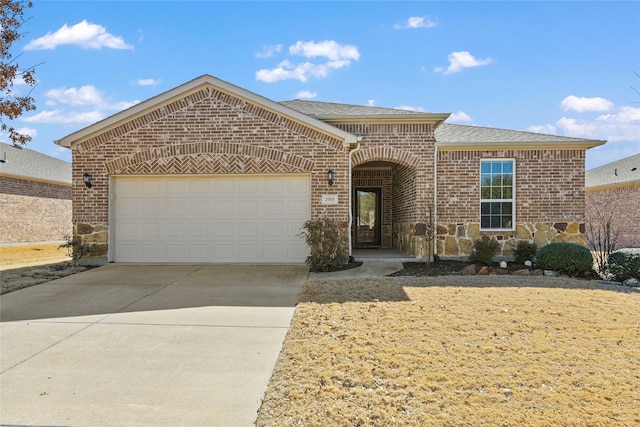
33 211
208 132
624 203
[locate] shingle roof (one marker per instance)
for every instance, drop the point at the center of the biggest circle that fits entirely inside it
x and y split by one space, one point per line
29 164
324 109
622 171
453 133
446 135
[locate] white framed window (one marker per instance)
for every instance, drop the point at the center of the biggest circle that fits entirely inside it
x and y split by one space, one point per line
497 194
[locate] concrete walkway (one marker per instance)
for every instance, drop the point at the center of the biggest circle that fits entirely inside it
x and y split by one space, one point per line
139 345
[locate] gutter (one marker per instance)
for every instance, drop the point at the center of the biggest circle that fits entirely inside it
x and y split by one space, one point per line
351 193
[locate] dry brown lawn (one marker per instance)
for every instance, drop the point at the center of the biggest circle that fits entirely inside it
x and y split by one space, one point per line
30 255
458 351
28 265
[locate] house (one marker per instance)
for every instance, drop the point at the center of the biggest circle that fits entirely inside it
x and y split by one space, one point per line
35 196
210 172
614 189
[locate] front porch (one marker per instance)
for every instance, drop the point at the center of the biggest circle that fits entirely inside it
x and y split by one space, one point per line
386 209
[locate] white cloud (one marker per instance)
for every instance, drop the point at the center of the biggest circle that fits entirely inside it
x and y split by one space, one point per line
83 34
546 129
338 56
416 22
329 49
371 102
624 125
88 103
64 117
583 105
460 116
306 94
410 108
4 137
458 61
85 95
269 51
147 82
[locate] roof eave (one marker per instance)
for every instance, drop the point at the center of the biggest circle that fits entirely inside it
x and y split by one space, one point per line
434 118
532 145
185 89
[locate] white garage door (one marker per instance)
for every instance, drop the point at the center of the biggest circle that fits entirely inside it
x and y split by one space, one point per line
210 219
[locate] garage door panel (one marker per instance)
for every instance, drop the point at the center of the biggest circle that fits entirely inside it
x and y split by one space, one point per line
210 219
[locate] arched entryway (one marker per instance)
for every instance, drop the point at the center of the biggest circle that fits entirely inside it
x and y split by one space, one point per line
384 200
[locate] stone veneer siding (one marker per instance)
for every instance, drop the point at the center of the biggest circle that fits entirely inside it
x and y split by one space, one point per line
624 201
34 211
206 132
550 199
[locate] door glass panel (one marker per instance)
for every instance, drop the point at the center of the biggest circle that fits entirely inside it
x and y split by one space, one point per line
368 216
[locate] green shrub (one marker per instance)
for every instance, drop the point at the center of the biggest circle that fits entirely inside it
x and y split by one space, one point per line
525 251
566 258
484 251
624 264
328 244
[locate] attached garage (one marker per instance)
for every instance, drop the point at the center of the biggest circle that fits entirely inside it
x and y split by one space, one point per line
196 218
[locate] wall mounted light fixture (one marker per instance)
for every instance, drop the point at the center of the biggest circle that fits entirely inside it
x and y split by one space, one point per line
330 176
86 178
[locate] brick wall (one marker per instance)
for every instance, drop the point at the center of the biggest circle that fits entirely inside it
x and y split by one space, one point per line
208 132
624 204
33 211
550 199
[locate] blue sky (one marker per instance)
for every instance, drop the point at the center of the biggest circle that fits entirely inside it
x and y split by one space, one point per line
564 68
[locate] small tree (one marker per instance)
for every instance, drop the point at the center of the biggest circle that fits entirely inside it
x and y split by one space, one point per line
11 105
601 232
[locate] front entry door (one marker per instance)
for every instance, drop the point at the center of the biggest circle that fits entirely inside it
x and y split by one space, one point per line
368 217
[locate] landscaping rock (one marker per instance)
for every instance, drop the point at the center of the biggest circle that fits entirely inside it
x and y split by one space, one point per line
550 273
631 282
469 270
501 271
483 271
522 272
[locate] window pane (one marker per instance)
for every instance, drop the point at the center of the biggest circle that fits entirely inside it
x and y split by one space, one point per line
496 185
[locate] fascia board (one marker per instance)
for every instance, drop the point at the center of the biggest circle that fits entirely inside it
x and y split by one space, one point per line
70 141
533 145
31 178
435 118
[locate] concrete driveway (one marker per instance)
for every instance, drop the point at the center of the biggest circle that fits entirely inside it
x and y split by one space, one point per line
145 345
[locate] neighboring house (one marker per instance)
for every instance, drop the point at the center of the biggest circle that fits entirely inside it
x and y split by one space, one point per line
615 189
210 172
35 196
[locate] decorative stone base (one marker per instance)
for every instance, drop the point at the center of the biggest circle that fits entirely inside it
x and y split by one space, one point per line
406 240
456 240
96 236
